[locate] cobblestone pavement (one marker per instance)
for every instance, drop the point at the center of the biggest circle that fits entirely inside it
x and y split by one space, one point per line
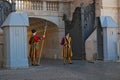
55 70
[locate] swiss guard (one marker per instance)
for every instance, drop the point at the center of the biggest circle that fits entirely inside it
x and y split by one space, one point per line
34 43
67 51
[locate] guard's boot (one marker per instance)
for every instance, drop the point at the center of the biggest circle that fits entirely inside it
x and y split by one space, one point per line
64 61
69 61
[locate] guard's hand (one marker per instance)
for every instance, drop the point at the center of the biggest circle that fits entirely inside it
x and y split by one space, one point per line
43 36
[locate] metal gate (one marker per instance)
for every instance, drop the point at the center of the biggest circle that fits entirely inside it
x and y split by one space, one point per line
5 9
80 28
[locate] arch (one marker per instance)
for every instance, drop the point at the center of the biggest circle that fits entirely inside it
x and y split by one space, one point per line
53 19
51 44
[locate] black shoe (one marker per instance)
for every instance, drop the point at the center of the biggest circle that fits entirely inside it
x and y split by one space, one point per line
71 63
35 64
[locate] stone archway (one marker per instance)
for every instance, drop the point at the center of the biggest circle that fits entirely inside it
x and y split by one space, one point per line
51 43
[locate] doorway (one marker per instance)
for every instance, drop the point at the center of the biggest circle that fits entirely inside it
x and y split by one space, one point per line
51 44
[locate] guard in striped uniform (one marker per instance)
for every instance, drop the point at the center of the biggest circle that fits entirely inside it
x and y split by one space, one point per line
34 43
67 51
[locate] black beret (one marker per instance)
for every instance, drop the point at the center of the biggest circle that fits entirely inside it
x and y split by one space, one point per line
33 30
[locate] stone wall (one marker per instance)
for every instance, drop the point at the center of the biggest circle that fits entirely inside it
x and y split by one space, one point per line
91 47
77 2
110 8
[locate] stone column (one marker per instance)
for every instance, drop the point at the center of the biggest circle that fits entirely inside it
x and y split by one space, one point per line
44 6
15 33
